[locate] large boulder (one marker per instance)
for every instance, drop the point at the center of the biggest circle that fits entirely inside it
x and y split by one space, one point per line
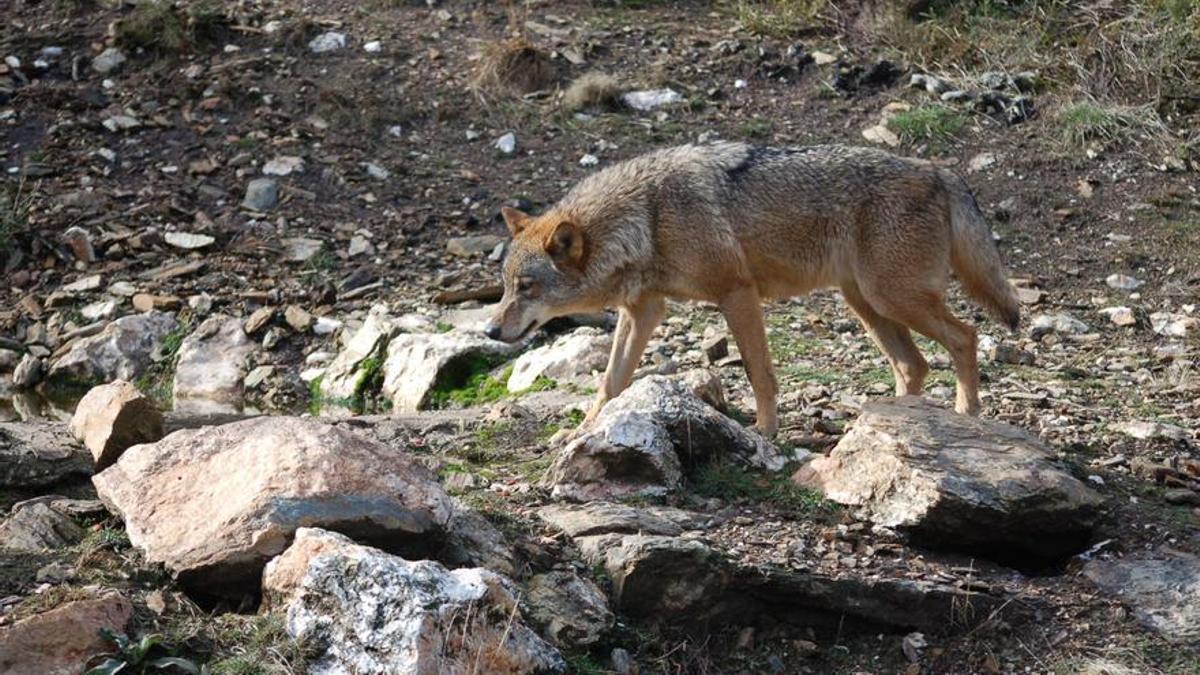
38 526
683 579
642 440
956 482
571 358
360 358
113 417
418 362
33 455
1162 588
361 610
215 504
570 609
59 641
212 366
124 350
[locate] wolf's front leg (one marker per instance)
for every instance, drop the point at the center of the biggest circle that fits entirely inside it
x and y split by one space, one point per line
635 325
742 309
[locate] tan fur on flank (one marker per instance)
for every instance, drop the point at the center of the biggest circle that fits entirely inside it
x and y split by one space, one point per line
736 225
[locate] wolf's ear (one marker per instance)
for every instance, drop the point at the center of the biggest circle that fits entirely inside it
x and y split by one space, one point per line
567 246
515 218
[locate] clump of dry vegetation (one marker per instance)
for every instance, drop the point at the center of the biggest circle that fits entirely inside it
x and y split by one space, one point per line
593 91
515 65
165 28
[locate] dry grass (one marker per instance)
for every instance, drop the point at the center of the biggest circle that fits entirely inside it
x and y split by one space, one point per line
593 91
516 66
1131 52
1085 123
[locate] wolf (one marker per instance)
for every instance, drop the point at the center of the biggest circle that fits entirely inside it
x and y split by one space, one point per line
737 225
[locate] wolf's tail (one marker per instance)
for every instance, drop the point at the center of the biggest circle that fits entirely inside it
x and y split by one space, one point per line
974 257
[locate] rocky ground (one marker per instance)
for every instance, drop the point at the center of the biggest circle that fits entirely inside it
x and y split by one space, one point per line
278 224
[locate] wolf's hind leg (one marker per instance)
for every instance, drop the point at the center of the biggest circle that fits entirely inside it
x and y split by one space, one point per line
742 309
894 340
926 313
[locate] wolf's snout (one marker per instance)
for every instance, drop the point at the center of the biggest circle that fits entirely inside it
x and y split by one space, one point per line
492 331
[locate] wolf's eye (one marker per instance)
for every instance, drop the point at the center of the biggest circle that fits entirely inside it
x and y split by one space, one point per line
527 287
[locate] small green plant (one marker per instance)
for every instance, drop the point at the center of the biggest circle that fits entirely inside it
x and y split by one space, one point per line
15 204
443 327
1082 123
142 656
158 381
757 128
734 483
472 383
935 125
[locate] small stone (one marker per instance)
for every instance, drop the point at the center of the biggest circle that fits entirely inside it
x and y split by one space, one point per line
1056 323
83 285
102 309
108 61
326 325
283 165
466 247
28 372
507 143
122 288
360 245
146 302
297 318
1144 431
1007 353
373 47
651 98
201 303
187 240
375 171
981 162
257 376
821 58
259 318
589 160
80 243
881 134
1122 282
262 194
302 249
1120 316
121 123
327 42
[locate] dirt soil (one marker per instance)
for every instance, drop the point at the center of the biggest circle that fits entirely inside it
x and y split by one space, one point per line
398 150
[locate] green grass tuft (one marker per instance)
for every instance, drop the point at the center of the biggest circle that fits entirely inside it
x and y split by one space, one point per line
1082 123
734 483
935 125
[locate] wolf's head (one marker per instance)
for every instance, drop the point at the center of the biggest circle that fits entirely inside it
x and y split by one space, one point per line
543 274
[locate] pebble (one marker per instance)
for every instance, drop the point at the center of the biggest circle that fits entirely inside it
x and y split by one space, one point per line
650 99
507 143
1122 282
327 42
187 240
262 194
283 165
108 61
